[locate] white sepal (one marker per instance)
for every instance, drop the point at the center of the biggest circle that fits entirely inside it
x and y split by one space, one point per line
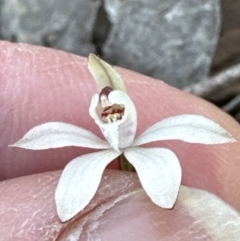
188 128
79 182
120 134
104 74
159 172
59 134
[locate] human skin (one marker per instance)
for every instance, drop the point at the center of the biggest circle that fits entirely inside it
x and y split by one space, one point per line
39 85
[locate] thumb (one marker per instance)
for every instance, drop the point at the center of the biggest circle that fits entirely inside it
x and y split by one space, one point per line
120 210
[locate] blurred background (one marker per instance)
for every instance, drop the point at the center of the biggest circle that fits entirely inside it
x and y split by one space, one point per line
193 45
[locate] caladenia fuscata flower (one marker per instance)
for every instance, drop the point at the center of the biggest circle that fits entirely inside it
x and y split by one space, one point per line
114 112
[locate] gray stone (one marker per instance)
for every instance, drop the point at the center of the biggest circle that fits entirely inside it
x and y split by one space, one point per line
60 24
172 40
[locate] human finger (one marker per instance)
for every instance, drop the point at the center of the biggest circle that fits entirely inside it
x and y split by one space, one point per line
120 210
40 85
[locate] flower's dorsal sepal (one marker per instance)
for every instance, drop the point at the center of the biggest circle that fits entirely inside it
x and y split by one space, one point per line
59 134
188 128
159 172
120 127
104 74
79 182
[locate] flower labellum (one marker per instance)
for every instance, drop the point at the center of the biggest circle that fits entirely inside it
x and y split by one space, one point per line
114 112
106 111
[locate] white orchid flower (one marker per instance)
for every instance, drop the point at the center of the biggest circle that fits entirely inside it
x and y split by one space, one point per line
114 112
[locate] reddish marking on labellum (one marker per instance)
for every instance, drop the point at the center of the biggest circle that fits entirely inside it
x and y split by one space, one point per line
109 112
112 111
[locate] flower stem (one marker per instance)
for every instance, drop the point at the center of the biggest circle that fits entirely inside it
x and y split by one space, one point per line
124 164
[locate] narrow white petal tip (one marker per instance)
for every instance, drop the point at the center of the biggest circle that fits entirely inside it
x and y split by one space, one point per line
232 139
168 200
91 56
22 144
13 145
64 215
168 203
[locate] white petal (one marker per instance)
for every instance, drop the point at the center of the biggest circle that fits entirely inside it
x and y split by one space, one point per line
104 74
120 134
189 128
58 134
79 182
159 172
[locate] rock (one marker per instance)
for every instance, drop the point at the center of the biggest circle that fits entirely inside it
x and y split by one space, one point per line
172 40
169 40
60 24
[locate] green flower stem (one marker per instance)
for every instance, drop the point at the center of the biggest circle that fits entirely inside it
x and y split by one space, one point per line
124 164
